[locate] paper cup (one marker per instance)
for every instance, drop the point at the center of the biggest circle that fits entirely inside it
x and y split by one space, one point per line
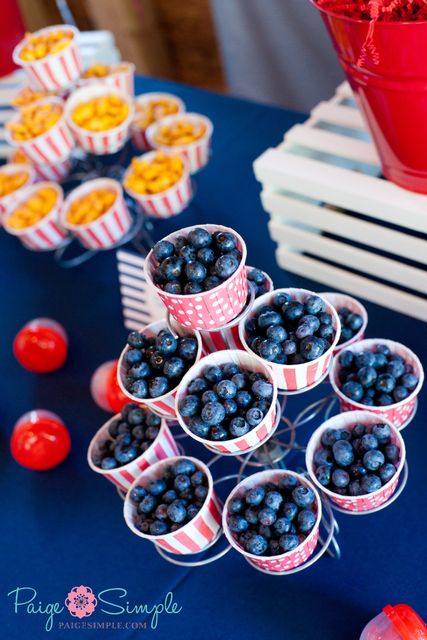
284 561
122 79
340 300
165 204
54 172
48 233
300 376
8 202
138 135
164 446
56 71
164 406
196 535
99 142
399 413
258 434
210 309
197 153
51 147
355 503
107 230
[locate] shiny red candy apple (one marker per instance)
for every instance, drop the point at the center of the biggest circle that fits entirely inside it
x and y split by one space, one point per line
40 440
105 389
41 345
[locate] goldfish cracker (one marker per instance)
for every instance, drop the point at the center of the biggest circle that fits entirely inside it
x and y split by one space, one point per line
28 213
19 157
99 70
45 44
151 177
27 96
35 120
101 114
90 207
180 133
10 182
152 111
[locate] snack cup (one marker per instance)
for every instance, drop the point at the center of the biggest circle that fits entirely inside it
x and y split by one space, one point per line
209 309
47 234
165 204
51 147
398 414
8 202
192 537
339 300
284 561
138 135
99 142
109 228
54 172
122 79
370 500
197 153
164 446
55 71
164 406
258 434
300 376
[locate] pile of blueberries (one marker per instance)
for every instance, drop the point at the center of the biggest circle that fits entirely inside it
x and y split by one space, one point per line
376 378
356 461
272 519
226 402
168 503
199 262
257 279
290 332
351 323
130 435
155 366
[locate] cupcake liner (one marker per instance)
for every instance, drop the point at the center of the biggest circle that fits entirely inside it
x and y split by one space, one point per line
107 230
355 503
164 446
339 300
285 561
196 535
164 406
7 203
55 172
197 153
209 309
294 377
123 80
99 142
258 434
138 135
397 414
56 71
165 204
48 233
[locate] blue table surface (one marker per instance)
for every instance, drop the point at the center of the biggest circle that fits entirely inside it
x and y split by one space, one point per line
65 527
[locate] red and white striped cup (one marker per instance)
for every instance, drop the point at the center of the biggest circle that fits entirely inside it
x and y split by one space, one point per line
57 70
99 142
165 204
51 147
108 229
48 233
346 421
192 537
164 446
284 561
121 78
138 136
8 202
398 414
340 300
163 406
210 309
198 152
258 434
296 377
55 172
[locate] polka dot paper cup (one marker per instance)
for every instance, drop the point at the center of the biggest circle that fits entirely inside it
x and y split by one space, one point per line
122 79
284 561
165 204
99 142
355 503
197 153
109 228
163 406
194 536
398 414
210 309
340 300
8 202
300 377
56 71
259 434
164 446
138 134
48 233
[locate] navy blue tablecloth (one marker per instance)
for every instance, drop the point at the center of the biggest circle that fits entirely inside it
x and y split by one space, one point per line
65 528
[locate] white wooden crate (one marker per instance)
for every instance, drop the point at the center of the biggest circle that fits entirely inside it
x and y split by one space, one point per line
324 180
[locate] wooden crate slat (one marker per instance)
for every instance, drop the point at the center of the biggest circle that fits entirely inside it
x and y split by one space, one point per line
337 114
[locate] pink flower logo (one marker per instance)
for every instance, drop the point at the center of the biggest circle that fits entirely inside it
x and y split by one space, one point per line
81 602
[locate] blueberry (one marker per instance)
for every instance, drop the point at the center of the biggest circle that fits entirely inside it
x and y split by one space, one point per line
171 268
213 374
269 318
254 416
353 390
251 515
182 482
198 427
124 455
240 380
262 389
288 483
382 432
340 478
238 523
152 420
206 256
177 512
163 249
174 368
306 521
355 488
255 496
173 287
197 478
187 253
400 393
161 513
139 371
358 430
391 452
226 389
373 460
209 396
370 483
312 348
354 321
213 413
169 496
157 386
226 265
346 335
380 361
293 310
230 408
133 356
192 288
346 359
314 305
364 359
303 496
108 463
325 331
236 505
282 525
288 542
385 383
262 405
395 368
238 427
386 472
166 343
187 348
330 436
197 386
409 381
158 528
124 439
192 511
289 510
273 499
211 282
267 516
368 442
243 399
219 434
257 545
367 376
195 272
189 406
307 328
343 453
136 340
138 494
157 361
201 492
268 350
184 466
357 470
199 238
225 241
323 474
148 504
277 333
384 400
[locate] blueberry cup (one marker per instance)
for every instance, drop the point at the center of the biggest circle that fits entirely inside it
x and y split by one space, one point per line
257 435
369 501
340 301
398 414
194 536
163 406
290 559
